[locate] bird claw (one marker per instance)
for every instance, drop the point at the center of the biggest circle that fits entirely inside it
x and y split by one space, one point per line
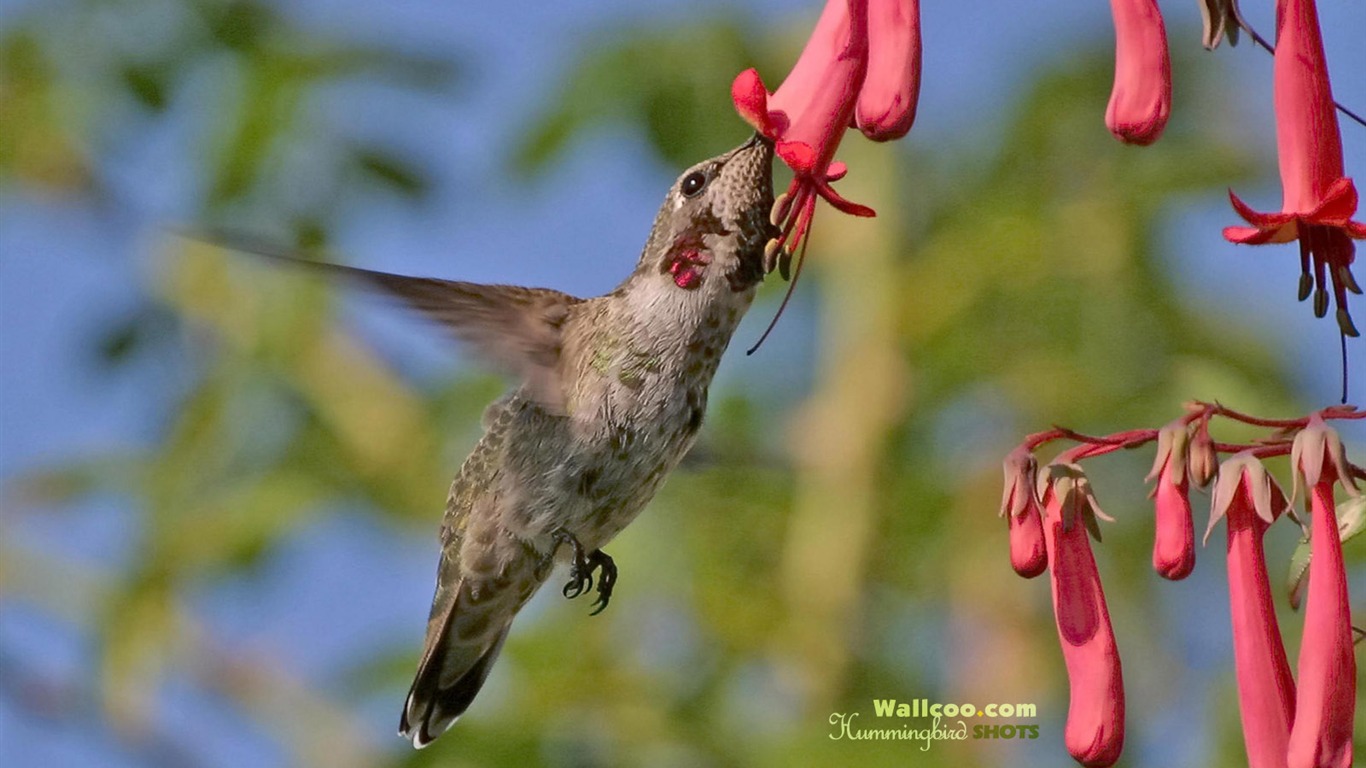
582 568
607 579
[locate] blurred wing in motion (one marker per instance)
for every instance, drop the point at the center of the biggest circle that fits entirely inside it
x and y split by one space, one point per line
516 329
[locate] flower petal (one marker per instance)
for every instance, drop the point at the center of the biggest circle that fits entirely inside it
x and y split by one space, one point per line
1266 691
887 101
751 101
1308 141
841 204
1321 736
799 156
819 95
1141 98
1174 540
1094 733
1258 219
1248 235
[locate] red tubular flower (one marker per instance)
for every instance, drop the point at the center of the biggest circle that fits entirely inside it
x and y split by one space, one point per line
1318 202
887 101
810 110
1321 736
1020 507
807 115
860 67
1142 95
1095 713
1250 500
1174 542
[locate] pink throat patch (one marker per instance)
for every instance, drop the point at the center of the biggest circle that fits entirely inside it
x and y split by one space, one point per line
687 267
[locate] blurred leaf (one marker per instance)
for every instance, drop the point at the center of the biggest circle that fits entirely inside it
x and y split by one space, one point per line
390 170
148 84
121 340
1351 522
237 24
1351 518
675 82
379 672
74 481
36 143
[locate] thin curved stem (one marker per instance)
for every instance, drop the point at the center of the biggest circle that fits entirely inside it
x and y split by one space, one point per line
1265 45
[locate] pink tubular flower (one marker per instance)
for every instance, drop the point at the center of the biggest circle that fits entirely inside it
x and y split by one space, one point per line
1174 543
1095 713
861 67
1142 95
1249 498
1321 736
887 100
1020 507
1318 202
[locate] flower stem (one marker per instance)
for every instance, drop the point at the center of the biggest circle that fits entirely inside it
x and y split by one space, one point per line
1265 45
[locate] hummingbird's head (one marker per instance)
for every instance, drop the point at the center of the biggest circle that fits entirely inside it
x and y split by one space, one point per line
711 231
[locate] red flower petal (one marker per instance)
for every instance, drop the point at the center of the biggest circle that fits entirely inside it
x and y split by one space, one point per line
841 204
751 101
1308 141
1266 691
887 100
1248 235
1321 736
1256 218
1270 227
1094 733
1141 99
798 155
1174 542
819 95
1338 206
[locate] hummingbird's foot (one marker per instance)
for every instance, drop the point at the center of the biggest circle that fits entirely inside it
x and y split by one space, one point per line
606 580
582 568
580 573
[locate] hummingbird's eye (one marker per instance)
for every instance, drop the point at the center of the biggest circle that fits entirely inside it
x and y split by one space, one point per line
693 183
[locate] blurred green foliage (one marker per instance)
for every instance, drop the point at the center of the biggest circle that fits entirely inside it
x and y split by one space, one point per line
1011 281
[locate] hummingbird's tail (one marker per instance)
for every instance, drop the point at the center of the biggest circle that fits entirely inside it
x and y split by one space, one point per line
440 694
464 638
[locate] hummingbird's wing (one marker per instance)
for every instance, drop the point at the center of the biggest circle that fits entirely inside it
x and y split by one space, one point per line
516 329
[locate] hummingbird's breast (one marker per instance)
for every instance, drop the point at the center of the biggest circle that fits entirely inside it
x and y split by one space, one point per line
637 400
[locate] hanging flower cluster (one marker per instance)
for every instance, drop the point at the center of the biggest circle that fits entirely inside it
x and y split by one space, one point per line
861 69
1051 510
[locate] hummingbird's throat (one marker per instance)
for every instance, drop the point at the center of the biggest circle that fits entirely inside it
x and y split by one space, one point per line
686 266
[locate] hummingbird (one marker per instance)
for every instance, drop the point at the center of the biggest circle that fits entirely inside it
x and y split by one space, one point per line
610 394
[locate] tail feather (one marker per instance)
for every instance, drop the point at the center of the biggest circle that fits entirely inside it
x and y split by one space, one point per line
435 700
472 611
